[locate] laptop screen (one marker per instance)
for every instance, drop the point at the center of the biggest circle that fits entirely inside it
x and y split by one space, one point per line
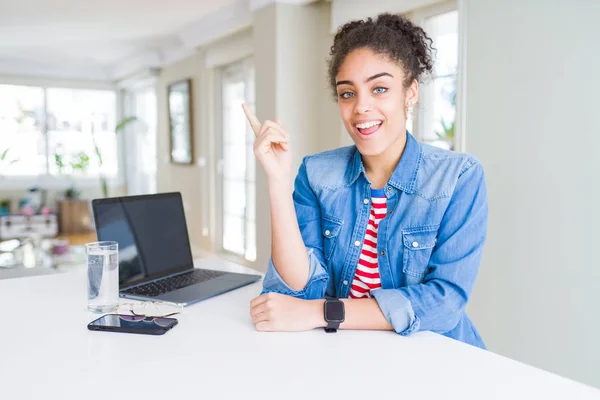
151 232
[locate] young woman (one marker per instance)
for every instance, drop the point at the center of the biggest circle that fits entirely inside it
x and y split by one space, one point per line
386 234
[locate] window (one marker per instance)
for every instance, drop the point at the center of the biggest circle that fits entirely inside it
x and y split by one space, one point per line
52 131
238 225
22 141
75 120
436 119
140 139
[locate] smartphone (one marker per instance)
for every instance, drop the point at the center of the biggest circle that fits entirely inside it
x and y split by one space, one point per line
132 324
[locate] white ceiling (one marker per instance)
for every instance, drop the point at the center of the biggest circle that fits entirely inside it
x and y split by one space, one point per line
95 34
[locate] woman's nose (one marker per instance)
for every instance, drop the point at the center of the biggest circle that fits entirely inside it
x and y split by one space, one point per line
362 108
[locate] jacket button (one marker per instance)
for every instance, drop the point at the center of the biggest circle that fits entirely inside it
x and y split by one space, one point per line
389 188
327 233
415 244
346 283
382 252
357 243
366 201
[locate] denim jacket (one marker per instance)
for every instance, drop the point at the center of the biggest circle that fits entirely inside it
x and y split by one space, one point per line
429 245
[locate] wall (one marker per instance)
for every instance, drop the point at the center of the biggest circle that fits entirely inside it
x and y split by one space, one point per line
190 180
196 182
303 93
531 117
343 11
291 44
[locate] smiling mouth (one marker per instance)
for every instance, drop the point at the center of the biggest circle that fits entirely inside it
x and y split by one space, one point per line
368 128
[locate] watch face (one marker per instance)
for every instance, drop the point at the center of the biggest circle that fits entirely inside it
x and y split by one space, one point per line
334 311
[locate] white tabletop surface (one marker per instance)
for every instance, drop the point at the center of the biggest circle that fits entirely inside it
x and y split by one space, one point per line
46 352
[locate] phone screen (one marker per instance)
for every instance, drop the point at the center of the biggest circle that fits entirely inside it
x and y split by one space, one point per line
133 323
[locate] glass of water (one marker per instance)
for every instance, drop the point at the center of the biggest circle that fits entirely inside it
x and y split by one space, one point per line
103 276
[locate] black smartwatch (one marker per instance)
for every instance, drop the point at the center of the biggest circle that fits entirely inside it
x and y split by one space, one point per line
333 311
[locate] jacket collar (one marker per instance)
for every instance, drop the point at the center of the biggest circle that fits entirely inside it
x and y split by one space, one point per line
404 176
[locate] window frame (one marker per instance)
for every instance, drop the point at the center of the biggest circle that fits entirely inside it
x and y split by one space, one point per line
420 16
238 66
53 182
126 94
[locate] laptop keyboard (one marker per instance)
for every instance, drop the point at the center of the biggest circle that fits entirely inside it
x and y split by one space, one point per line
172 283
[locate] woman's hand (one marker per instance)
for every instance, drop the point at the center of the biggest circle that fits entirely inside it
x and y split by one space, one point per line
274 312
271 147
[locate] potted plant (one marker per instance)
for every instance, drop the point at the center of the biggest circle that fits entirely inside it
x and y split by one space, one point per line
75 214
79 161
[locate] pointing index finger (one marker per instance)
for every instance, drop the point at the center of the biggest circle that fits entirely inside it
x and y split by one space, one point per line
254 122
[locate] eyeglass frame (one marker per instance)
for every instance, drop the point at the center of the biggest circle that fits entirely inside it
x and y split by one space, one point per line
146 303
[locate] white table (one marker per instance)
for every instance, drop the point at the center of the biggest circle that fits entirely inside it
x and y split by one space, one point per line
46 352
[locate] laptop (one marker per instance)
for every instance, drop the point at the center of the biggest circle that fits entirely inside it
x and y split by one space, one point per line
155 258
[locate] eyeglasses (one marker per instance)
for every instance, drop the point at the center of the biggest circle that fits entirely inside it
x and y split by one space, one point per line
153 309
164 322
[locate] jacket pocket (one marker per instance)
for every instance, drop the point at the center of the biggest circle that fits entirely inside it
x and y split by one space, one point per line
418 246
330 228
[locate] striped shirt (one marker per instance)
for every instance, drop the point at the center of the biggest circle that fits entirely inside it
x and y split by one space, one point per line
367 272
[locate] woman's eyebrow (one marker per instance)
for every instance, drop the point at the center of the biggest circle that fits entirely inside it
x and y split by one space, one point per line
379 75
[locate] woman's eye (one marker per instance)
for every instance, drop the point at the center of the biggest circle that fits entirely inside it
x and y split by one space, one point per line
346 95
380 90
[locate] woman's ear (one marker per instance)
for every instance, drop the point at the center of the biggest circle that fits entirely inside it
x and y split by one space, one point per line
412 94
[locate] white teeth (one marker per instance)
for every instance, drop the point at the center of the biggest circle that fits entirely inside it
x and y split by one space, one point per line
368 124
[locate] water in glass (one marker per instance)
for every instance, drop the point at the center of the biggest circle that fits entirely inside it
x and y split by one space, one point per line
103 276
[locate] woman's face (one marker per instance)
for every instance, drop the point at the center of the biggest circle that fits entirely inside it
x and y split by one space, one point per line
372 101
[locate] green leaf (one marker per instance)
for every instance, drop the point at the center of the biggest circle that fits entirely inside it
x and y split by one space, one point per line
58 161
4 153
124 122
80 161
104 184
447 131
98 154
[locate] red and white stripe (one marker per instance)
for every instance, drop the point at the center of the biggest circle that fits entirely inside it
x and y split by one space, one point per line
367 272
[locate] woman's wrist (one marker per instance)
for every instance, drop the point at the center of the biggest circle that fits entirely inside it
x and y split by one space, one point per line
316 313
282 203
279 189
